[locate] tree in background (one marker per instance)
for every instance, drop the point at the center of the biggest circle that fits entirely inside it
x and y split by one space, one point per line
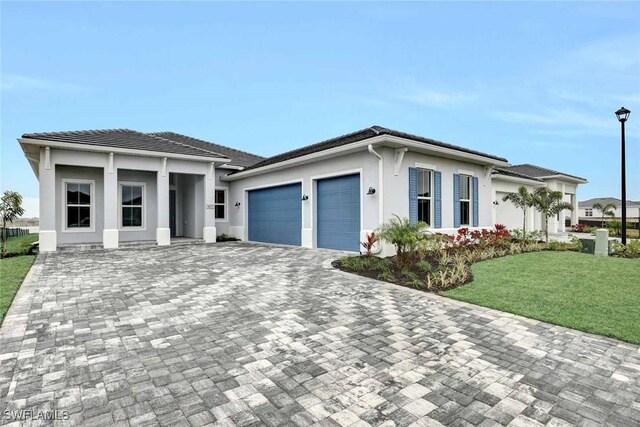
10 209
522 200
605 210
549 203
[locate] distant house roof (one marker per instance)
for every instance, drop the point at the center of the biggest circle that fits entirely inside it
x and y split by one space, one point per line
509 172
362 135
124 139
238 158
538 171
605 201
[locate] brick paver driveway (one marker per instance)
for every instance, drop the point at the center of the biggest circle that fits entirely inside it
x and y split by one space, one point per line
241 334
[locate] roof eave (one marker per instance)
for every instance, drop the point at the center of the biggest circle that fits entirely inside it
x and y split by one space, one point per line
564 177
358 145
127 151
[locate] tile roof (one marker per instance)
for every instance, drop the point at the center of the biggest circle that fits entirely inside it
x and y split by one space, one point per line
238 157
537 171
361 135
508 172
123 138
605 201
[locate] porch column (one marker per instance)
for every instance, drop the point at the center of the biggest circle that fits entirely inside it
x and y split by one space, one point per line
110 232
574 214
163 232
209 231
48 205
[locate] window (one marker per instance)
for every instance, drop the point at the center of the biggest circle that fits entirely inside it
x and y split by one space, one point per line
424 195
465 199
78 205
220 204
588 212
131 205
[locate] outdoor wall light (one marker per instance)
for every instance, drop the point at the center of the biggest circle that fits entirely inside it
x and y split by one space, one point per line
495 202
237 205
371 191
305 197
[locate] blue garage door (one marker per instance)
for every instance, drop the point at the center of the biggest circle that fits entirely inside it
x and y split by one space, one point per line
275 214
339 213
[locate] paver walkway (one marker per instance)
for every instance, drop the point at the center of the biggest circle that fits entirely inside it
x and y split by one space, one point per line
241 334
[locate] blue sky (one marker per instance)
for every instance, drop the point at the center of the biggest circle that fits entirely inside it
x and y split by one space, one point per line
533 82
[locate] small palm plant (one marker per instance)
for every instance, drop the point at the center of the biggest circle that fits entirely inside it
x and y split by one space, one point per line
10 209
522 200
404 235
549 203
605 210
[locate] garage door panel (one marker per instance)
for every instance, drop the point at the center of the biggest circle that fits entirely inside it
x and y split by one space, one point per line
338 213
275 215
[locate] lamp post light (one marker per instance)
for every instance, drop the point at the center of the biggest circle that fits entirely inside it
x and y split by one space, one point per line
623 115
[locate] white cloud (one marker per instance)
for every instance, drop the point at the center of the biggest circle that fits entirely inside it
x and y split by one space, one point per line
555 117
18 83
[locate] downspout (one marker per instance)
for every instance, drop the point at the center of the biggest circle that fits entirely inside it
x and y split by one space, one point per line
380 188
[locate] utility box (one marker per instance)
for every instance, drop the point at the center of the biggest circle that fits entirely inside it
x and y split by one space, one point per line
602 242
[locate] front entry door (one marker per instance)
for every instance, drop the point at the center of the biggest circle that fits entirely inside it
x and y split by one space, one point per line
172 212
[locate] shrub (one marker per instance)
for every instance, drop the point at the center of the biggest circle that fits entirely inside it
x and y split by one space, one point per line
533 236
630 250
574 245
578 228
404 235
224 237
367 245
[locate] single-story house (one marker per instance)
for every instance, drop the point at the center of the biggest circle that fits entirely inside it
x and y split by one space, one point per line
508 179
111 186
586 210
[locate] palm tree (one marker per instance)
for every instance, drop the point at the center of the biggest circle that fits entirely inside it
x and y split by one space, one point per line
605 210
523 200
10 209
549 203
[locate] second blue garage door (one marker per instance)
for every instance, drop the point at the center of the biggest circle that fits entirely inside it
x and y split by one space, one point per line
338 214
275 214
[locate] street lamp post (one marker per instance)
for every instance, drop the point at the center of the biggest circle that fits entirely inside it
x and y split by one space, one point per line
623 115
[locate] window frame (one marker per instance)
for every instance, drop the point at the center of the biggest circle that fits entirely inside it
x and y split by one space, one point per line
431 190
588 212
225 204
92 206
469 201
121 226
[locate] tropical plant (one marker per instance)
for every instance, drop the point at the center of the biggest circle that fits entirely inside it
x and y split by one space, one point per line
549 203
630 250
521 200
404 235
605 209
367 245
10 209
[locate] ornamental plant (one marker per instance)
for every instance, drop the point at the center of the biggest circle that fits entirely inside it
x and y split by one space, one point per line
10 209
404 235
369 242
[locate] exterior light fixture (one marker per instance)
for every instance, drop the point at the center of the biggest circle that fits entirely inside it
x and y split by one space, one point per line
237 204
305 197
623 114
371 191
496 203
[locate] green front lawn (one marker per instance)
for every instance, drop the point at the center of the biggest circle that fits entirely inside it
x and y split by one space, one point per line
12 273
594 294
20 244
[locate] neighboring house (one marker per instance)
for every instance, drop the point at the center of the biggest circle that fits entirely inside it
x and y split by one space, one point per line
586 211
508 179
121 185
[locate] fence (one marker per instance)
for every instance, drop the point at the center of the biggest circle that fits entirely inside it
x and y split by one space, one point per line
13 232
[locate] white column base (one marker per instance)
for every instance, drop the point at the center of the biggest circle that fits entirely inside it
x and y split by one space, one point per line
237 231
47 241
110 239
163 236
209 234
307 238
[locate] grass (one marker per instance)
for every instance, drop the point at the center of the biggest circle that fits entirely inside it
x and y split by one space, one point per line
600 295
20 244
14 269
12 272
